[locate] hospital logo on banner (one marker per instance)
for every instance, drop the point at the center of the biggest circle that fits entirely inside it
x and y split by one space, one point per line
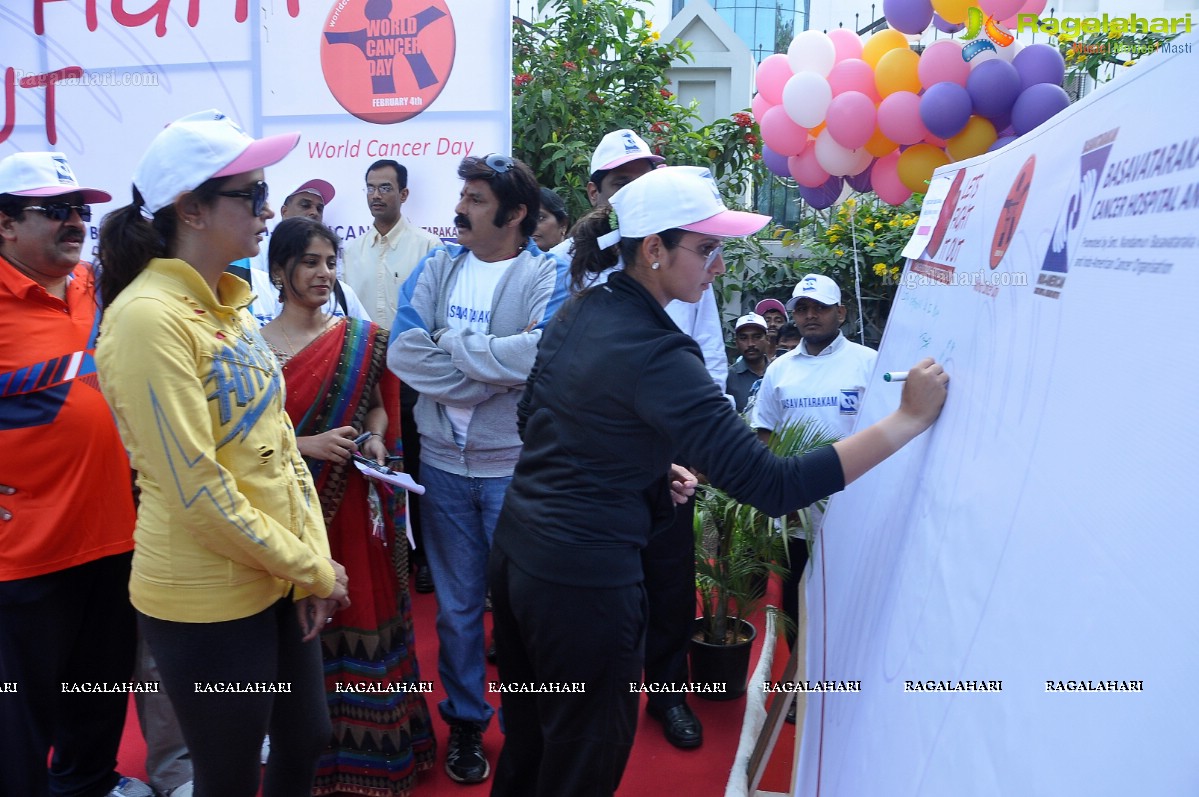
387 60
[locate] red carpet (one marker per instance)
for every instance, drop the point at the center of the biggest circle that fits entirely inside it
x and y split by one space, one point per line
655 768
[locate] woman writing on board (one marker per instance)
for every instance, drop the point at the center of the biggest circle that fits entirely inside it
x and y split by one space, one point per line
616 395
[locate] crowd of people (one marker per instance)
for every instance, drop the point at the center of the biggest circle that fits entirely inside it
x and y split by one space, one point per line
197 416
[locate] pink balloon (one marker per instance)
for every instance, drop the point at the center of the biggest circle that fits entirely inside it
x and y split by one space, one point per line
942 61
884 178
851 117
773 73
760 106
853 74
1000 9
806 170
1030 7
781 134
846 43
936 141
899 118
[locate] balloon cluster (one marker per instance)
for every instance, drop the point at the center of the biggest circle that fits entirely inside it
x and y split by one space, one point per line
839 113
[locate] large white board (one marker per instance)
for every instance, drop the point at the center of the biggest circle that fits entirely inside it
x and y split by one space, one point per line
274 66
1046 530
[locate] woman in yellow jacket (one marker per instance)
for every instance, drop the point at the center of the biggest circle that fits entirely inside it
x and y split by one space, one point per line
229 532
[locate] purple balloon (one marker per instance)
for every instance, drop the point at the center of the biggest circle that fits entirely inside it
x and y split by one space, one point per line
860 182
945 109
1036 104
823 196
993 86
946 27
776 163
1039 63
1001 143
1002 123
908 16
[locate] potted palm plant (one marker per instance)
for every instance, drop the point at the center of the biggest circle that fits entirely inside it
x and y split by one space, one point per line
737 548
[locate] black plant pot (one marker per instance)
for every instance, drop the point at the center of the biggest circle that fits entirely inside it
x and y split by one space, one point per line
721 664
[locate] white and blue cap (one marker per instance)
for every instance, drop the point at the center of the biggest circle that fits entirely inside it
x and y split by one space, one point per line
677 197
44 174
818 288
620 147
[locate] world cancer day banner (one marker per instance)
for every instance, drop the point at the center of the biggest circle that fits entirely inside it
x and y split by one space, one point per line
1007 606
423 82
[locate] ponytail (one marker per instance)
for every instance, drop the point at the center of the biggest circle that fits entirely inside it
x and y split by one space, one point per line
590 258
129 239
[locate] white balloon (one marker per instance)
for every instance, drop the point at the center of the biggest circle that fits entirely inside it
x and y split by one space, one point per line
846 192
1010 52
983 57
806 97
836 159
812 51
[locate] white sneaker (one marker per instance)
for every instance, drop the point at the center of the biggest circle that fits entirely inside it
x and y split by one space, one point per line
131 787
266 749
183 791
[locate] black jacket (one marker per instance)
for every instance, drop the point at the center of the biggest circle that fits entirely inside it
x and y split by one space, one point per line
617 393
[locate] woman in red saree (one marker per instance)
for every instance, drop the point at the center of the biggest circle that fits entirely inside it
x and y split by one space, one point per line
335 370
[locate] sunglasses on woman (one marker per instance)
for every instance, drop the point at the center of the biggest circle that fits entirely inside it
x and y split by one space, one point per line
61 211
257 196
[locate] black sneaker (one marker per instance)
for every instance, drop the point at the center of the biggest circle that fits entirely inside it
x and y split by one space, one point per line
464 760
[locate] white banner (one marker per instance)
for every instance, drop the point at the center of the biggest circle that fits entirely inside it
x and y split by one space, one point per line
423 82
1016 590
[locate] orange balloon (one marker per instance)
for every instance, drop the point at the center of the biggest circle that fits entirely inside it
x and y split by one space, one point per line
953 11
896 71
882 42
879 145
975 138
814 132
917 164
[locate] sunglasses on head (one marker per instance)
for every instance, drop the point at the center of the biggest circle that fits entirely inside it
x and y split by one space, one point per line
61 211
499 163
257 196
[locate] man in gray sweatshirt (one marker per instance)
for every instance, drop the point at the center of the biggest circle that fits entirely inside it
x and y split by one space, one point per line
465 336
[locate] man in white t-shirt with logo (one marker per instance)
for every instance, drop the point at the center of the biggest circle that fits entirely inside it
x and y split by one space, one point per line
822 380
466 330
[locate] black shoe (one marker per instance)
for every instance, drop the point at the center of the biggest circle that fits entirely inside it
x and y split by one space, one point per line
424 579
490 653
791 712
464 759
681 726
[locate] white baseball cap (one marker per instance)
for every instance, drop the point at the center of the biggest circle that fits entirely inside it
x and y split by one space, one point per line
198 147
679 197
817 287
43 174
619 147
750 319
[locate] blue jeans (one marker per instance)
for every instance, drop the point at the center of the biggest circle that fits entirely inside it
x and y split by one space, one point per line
459 514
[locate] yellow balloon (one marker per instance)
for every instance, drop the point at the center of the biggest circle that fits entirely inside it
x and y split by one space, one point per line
953 11
896 71
882 42
917 164
879 145
974 139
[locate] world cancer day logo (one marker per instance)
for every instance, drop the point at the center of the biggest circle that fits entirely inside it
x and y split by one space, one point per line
387 60
979 22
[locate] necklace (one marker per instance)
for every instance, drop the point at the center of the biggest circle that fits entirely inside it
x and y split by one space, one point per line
292 347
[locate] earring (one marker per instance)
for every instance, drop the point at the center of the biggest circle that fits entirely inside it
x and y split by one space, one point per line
278 284
655 265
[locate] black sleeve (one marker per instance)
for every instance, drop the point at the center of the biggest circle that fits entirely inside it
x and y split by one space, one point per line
678 396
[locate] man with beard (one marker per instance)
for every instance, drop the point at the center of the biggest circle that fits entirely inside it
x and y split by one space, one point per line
822 380
750 337
376 265
465 336
66 500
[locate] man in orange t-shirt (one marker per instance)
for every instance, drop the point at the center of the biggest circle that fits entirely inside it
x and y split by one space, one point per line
67 629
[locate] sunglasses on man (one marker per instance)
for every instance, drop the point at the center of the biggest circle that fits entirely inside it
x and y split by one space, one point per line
61 211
